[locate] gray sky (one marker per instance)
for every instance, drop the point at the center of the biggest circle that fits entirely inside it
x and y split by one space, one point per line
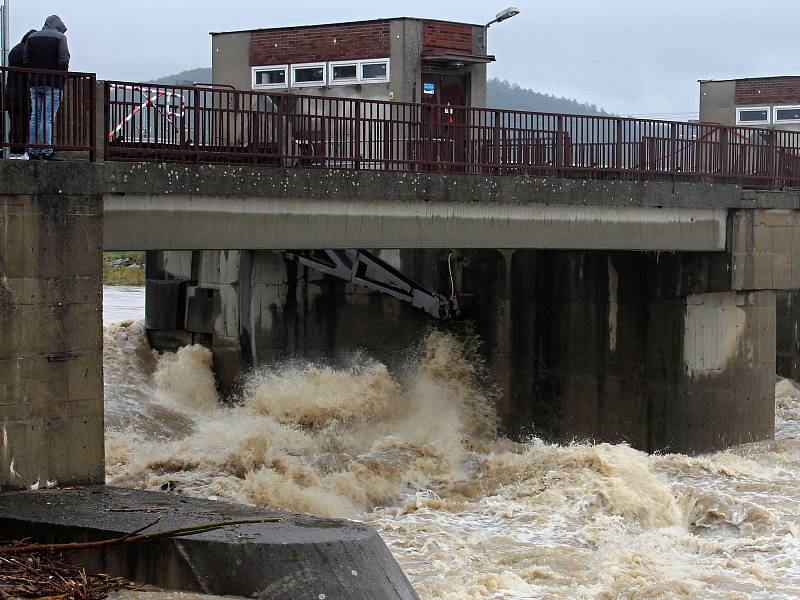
633 57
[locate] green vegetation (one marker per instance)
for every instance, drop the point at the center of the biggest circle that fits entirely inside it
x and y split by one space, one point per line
123 268
504 94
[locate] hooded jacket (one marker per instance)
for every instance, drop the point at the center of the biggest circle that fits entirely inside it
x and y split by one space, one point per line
47 49
17 84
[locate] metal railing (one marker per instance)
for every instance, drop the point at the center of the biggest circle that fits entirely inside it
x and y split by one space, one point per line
43 110
150 122
198 124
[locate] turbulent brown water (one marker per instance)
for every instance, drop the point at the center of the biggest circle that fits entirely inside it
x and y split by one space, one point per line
467 514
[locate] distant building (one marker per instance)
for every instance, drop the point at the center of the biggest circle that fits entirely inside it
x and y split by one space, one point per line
401 59
770 102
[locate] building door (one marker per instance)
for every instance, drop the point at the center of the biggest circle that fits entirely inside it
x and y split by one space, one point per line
443 139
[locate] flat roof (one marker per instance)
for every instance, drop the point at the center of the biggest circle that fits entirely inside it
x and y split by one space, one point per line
344 23
750 78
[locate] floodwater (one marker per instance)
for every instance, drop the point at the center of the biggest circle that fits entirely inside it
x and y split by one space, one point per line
468 514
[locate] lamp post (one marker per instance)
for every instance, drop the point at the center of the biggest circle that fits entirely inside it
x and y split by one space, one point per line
511 11
5 31
5 46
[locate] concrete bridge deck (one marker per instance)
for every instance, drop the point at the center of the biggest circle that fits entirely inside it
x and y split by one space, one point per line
201 207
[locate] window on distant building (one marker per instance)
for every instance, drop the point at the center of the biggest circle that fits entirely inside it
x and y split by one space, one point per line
786 114
311 74
343 72
358 71
753 115
375 70
272 77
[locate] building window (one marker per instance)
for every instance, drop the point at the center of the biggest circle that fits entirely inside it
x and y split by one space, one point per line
358 71
343 72
272 77
375 70
311 74
753 115
786 114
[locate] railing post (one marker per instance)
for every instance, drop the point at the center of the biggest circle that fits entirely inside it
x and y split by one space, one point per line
100 119
560 146
283 133
196 124
618 145
773 179
357 135
498 161
673 149
723 148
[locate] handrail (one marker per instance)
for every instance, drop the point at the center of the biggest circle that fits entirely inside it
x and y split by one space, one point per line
219 124
74 123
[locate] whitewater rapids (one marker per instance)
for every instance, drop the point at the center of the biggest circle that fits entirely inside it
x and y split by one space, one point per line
466 513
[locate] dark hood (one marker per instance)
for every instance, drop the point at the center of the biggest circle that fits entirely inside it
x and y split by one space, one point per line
55 22
27 35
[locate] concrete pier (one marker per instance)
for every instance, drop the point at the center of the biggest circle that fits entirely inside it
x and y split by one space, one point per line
651 349
299 558
51 342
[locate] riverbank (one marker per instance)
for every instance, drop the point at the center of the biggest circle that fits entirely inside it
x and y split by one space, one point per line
123 268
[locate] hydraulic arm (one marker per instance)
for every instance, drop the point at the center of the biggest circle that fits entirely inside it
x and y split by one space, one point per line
367 270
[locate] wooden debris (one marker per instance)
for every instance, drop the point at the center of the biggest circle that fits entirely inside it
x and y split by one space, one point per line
29 570
47 575
133 537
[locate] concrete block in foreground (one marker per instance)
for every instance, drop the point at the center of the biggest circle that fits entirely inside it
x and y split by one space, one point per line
300 558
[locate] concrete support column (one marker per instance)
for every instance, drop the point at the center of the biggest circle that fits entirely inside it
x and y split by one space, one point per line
649 349
787 335
51 370
620 347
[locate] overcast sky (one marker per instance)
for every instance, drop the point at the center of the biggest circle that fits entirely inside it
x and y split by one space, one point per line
632 57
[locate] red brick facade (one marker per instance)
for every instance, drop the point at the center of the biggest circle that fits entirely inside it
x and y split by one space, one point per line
316 44
447 36
768 90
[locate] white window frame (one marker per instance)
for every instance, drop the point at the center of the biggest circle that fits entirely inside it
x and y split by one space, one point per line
374 61
270 86
344 63
739 109
315 65
778 121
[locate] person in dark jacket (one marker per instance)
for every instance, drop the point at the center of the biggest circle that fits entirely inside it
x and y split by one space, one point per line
46 49
17 100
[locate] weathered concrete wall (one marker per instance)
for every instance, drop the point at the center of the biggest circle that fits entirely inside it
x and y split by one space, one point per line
718 102
622 346
201 222
51 380
766 249
787 333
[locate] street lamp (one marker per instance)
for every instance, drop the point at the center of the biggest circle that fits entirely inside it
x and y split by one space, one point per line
511 11
5 29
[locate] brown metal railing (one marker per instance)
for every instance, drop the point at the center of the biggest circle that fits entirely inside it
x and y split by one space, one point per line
150 122
28 97
184 123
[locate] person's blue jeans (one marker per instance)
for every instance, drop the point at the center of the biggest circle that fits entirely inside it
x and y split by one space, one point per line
45 100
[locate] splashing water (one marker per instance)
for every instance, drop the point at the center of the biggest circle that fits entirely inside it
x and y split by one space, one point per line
467 514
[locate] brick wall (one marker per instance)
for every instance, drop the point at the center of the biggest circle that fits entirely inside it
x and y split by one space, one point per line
311 44
778 90
450 36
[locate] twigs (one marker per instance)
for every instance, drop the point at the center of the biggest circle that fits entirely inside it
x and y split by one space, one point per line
132 538
35 570
48 576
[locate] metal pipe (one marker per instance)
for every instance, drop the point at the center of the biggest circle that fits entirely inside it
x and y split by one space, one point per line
5 47
5 15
